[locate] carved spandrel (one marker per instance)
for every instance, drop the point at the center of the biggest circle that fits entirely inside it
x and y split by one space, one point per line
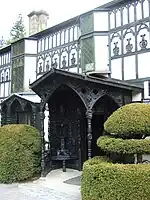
47 91
91 94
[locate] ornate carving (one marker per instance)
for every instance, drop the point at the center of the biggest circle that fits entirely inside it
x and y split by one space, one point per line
89 114
47 91
129 46
116 49
144 42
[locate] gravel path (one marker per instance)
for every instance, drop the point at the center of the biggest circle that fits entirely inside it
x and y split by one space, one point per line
49 188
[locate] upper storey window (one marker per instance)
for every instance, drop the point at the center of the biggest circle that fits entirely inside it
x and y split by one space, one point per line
139 10
5 59
59 38
146 8
129 13
17 48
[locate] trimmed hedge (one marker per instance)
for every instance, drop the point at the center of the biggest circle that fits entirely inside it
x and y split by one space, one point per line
107 181
129 120
20 147
118 145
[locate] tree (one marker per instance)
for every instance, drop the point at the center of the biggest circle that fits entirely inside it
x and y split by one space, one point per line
18 30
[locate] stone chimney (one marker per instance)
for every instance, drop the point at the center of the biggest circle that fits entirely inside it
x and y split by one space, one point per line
37 21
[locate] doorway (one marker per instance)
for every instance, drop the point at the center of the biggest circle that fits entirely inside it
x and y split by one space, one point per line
102 109
67 124
97 131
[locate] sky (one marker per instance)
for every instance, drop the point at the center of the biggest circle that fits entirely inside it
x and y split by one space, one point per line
59 11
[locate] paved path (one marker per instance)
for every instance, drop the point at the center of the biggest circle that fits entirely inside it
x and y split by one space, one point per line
50 188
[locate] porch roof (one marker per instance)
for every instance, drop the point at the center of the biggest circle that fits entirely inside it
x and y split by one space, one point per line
20 97
115 83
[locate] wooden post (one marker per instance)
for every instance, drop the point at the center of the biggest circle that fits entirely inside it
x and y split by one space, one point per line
43 141
89 115
34 116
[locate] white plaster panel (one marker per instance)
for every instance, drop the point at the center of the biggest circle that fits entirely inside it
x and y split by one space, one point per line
136 96
131 13
146 8
2 90
146 89
101 53
31 46
6 89
100 21
29 71
125 16
143 65
129 68
139 11
112 20
118 18
116 69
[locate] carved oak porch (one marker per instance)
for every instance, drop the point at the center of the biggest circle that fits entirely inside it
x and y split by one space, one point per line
17 110
74 102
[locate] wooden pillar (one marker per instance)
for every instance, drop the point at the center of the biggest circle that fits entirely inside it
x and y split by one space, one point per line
8 116
34 116
79 145
42 116
89 115
49 132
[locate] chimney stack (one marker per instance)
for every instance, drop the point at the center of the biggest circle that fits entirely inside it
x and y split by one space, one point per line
37 21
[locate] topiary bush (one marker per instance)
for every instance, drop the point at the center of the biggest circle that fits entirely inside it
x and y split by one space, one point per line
107 181
129 121
112 181
20 153
121 146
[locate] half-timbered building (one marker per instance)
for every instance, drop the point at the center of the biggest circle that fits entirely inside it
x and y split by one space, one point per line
67 79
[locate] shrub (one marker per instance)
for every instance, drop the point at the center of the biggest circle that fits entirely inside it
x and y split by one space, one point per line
20 147
121 146
107 181
129 120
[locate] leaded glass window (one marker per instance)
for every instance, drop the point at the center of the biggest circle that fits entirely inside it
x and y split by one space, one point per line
17 75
